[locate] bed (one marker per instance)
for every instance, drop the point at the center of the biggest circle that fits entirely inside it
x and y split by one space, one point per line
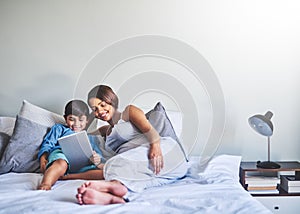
211 188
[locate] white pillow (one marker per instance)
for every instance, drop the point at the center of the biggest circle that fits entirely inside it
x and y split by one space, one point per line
7 125
176 120
225 164
39 115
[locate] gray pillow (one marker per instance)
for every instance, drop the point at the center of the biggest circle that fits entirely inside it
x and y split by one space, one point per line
4 139
32 124
21 153
161 122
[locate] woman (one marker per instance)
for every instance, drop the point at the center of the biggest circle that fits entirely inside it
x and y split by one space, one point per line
143 159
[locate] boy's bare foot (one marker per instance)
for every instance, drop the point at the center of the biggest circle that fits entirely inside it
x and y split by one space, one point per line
92 196
113 187
44 187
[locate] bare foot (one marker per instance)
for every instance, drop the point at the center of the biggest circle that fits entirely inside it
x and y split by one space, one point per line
113 187
91 196
44 187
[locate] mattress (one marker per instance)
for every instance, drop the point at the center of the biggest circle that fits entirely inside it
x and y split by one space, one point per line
214 188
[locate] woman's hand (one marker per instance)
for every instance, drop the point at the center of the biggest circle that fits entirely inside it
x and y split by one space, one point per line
95 158
156 158
43 162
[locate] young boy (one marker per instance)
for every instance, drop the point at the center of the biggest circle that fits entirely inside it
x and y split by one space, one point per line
53 162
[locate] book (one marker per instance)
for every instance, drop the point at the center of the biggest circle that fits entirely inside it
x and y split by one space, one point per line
292 189
77 149
290 180
260 184
272 191
289 184
259 180
261 188
257 192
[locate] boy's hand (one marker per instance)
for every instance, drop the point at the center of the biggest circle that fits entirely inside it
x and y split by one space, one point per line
95 158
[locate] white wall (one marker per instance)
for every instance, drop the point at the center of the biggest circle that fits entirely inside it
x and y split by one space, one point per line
252 46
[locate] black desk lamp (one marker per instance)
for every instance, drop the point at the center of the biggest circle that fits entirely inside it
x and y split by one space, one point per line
263 125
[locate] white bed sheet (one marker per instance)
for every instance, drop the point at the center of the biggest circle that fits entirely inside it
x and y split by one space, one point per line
212 191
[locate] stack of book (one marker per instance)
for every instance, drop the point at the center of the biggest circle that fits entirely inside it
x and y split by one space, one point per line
258 184
289 183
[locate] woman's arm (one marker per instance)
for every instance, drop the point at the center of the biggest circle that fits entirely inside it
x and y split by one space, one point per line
137 117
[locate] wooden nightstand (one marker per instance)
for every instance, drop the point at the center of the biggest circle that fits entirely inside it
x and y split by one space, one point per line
281 202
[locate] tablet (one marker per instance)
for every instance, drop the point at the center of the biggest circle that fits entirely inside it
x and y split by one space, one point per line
77 149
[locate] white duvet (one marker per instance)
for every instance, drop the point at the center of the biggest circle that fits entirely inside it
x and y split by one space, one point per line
215 190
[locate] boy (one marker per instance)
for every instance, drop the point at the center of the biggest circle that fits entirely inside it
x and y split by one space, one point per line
53 162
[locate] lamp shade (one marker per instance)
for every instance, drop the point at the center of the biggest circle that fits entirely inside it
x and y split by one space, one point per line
262 123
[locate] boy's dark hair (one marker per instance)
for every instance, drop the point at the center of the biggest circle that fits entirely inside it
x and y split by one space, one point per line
77 108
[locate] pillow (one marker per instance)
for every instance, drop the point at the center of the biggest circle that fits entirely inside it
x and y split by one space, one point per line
175 118
7 125
39 115
161 122
32 124
4 139
226 164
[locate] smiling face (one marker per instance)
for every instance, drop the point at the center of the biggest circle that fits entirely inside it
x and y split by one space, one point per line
101 109
76 123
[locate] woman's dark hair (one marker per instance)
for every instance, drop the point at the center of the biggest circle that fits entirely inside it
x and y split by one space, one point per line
77 108
104 93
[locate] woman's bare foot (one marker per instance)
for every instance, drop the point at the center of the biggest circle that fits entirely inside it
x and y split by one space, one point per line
113 187
44 187
92 196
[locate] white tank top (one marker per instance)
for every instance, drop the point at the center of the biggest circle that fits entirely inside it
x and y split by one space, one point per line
121 133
